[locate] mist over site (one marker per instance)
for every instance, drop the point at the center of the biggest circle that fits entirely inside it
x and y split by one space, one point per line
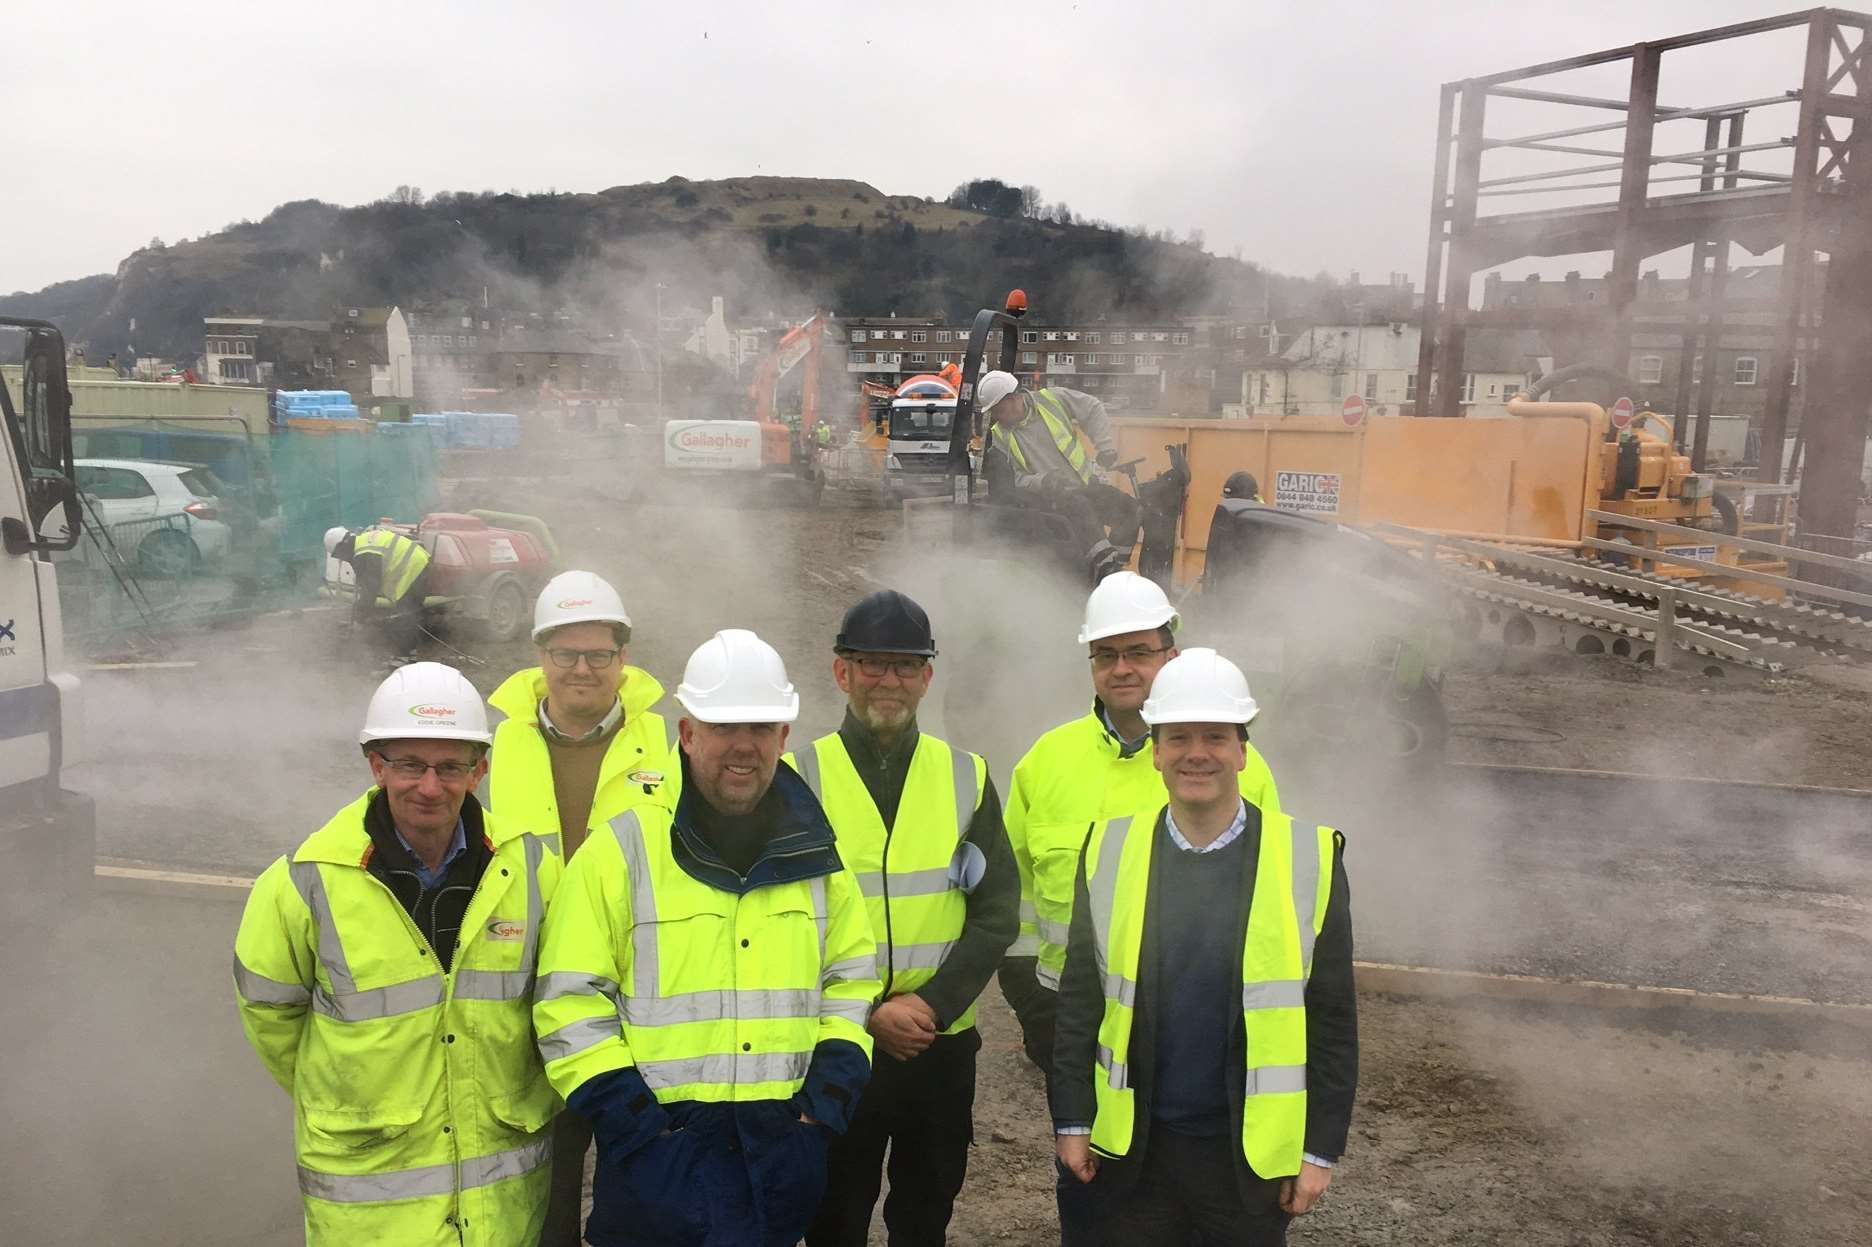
608 177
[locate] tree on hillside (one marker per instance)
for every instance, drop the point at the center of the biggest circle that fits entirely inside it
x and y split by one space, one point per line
991 195
409 195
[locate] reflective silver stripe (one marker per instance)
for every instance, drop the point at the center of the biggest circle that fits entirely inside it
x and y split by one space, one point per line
917 956
1117 1076
1028 914
726 1067
753 1004
645 981
427 1181
1102 888
1276 1079
536 908
858 1011
807 764
1306 876
1123 990
513 1163
571 983
966 794
311 885
574 1037
1275 994
381 1002
1054 932
931 882
1025 945
492 984
258 989
377 1188
1047 977
851 968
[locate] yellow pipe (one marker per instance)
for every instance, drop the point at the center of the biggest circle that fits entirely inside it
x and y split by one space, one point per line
1528 408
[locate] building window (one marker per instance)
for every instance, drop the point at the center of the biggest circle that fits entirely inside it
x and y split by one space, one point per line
918 357
1650 369
859 357
1494 389
474 340
1160 337
1335 385
1794 375
919 335
1091 360
1745 370
1052 335
1092 338
1062 359
1072 335
1371 385
942 335
350 363
1410 387
1138 361
1468 387
1029 357
1029 335
1696 367
897 334
1180 339
857 336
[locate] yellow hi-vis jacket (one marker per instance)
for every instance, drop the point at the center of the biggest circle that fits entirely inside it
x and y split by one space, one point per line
1074 777
710 996
420 1106
1293 877
520 780
403 561
1059 426
910 873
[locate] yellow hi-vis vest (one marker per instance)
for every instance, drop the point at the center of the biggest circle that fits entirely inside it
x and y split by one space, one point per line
420 1105
1074 778
520 779
911 872
1293 876
709 995
1060 428
403 561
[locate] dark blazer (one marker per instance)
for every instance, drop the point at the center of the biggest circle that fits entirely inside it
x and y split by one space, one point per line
1331 1015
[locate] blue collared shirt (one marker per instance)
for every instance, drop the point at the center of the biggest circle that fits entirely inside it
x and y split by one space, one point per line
430 878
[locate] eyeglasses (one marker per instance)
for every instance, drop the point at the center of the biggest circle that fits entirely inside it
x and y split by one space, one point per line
905 669
596 659
1135 655
416 768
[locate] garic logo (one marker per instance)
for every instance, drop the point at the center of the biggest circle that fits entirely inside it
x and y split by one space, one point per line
7 638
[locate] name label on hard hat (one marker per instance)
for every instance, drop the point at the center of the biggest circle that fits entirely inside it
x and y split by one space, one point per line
1307 491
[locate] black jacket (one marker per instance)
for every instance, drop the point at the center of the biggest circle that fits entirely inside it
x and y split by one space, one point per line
438 911
993 918
1331 1015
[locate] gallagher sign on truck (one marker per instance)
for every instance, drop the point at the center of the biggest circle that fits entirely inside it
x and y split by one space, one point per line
729 444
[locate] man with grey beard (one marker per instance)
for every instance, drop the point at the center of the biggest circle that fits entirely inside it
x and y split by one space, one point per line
919 823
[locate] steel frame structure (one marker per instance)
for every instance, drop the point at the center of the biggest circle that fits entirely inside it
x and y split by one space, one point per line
1823 204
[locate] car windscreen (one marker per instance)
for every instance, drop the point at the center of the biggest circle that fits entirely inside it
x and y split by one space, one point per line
921 422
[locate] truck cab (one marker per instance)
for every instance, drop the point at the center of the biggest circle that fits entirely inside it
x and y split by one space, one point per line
916 463
46 833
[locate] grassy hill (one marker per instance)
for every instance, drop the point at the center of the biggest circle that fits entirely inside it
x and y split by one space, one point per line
768 244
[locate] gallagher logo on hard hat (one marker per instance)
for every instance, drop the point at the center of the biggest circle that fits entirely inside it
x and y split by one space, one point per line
426 701
575 598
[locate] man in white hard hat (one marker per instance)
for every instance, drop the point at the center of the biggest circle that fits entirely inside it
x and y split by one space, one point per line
1207 1052
1083 772
1038 451
384 973
706 977
578 746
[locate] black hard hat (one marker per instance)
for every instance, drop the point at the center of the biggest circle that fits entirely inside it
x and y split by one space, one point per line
886 622
1241 485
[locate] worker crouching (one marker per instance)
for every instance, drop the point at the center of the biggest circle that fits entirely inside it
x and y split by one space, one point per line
705 979
1207 1047
384 972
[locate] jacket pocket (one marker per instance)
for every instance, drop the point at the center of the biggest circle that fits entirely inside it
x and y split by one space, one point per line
355 1130
527 1110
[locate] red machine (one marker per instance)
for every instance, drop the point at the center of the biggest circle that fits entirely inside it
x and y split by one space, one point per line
486 566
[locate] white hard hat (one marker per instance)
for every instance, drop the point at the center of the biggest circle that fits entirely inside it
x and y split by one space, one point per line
1126 602
1199 686
335 535
735 677
993 387
426 701
577 597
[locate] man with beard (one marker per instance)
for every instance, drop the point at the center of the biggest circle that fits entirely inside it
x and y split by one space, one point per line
918 821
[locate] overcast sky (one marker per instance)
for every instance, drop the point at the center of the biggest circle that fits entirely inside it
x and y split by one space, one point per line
1300 133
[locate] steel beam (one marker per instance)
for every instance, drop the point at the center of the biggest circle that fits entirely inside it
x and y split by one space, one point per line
1462 217
1431 330
1627 251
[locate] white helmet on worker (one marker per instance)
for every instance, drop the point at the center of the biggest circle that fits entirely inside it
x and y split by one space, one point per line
426 701
735 677
575 598
333 536
1126 602
1200 686
992 388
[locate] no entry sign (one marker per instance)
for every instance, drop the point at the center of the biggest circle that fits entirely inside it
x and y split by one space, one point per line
1353 411
1622 413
